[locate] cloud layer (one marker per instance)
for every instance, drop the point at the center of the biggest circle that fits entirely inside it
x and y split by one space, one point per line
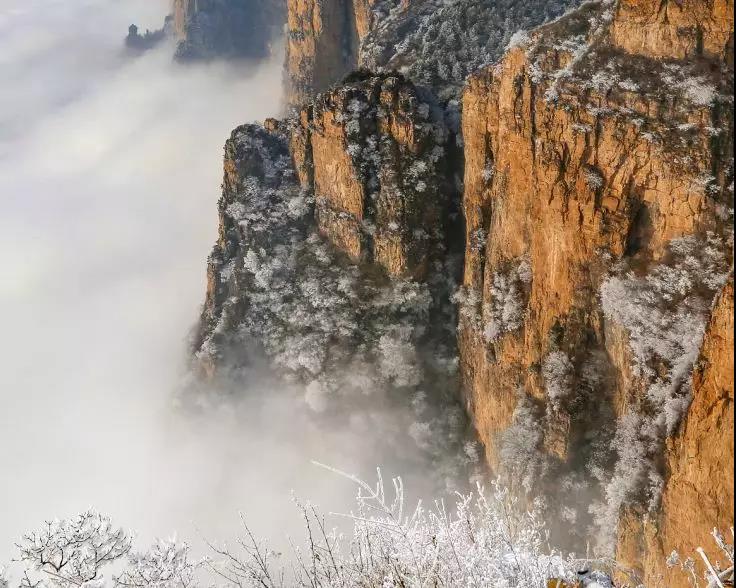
110 169
109 175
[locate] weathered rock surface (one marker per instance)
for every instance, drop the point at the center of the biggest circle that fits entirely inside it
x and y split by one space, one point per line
690 28
581 159
376 149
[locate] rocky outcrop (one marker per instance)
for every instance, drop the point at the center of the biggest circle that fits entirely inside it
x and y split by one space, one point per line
582 159
206 29
376 151
330 272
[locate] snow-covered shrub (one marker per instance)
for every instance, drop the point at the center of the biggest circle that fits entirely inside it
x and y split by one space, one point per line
468 302
558 372
698 90
519 39
398 359
166 564
523 461
594 179
663 314
484 539
74 552
504 313
480 539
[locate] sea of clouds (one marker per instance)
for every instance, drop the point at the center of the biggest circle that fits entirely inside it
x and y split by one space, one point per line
110 167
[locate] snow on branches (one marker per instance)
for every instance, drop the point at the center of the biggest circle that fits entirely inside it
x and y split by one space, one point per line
67 553
73 552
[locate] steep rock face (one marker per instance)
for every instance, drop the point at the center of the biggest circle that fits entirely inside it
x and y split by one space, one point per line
589 171
182 10
321 46
355 326
433 42
698 494
674 29
376 151
206 29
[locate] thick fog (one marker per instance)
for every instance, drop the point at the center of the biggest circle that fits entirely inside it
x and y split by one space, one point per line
110 169
110 166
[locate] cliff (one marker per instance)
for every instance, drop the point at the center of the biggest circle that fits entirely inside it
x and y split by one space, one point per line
331 271
597 175
562 244
206 29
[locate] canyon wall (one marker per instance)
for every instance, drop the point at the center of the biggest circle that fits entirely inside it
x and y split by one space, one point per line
573 173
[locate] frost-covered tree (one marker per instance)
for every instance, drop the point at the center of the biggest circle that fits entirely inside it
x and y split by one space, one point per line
451 39
67 553
72 552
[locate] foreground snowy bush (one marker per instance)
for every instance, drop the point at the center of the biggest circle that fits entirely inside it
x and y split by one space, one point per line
483 540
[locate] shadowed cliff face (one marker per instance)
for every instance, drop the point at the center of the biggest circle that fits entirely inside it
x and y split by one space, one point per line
206 29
